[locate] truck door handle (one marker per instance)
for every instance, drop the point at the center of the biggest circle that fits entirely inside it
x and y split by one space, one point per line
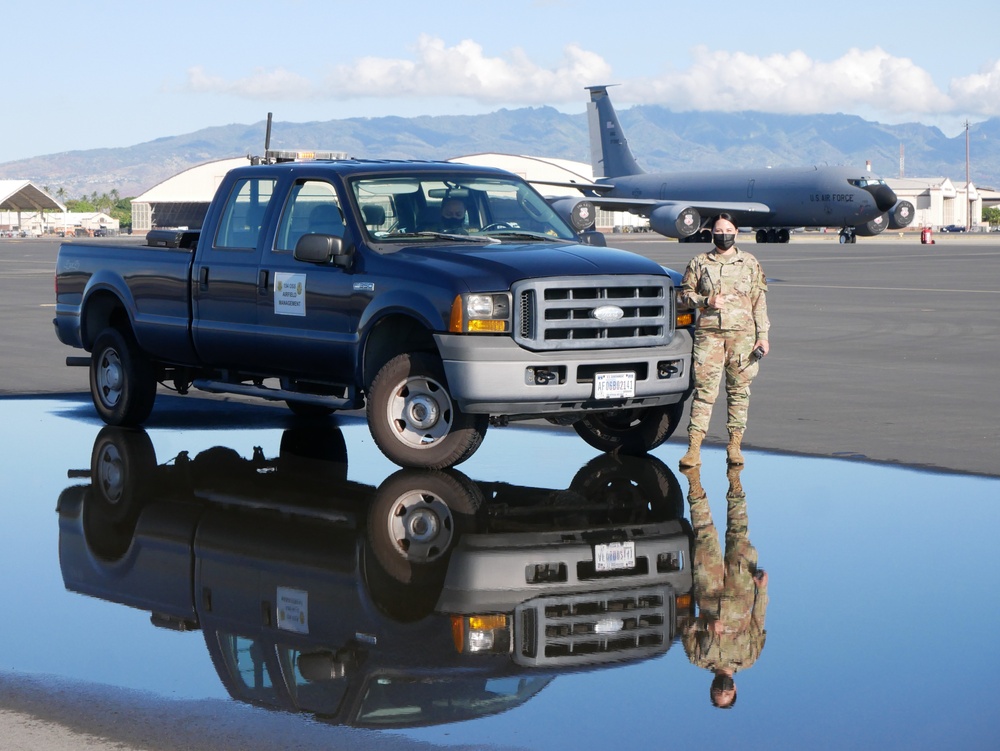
262 282
203 277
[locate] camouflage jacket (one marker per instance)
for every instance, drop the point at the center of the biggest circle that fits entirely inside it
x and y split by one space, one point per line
741 279
739 646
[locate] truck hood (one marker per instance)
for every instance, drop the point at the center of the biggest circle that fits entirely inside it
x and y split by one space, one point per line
482 267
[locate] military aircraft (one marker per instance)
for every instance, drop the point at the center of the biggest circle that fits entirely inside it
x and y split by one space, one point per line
772 201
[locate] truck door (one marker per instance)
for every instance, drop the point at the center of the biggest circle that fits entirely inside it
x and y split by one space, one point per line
225 277
308 320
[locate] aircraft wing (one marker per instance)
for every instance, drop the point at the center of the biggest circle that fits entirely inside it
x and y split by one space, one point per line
645 206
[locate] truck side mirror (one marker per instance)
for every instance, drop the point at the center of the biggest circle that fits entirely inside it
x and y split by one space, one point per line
594 238
323 249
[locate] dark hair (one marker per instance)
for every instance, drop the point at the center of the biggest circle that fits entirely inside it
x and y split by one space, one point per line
721 683
723 215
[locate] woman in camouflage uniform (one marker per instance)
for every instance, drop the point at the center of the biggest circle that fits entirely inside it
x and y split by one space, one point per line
727 285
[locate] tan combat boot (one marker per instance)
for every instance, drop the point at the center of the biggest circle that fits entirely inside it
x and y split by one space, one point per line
733 454
693 456
695 489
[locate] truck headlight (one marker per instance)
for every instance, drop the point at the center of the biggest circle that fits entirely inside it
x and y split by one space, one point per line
489 313
479 634
684 316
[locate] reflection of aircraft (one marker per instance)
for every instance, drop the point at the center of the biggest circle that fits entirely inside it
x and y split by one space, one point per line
771 200
429 599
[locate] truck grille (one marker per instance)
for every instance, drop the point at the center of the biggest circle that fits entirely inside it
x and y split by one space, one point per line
595 627
560 313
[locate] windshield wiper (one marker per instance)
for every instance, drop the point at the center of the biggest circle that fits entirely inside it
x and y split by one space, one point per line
525 235
445 236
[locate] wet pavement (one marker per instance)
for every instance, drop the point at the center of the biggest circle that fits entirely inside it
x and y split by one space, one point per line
229 562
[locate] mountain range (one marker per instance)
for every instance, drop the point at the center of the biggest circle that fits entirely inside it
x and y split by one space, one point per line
661 139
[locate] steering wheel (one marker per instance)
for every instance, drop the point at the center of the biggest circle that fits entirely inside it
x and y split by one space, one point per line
498 225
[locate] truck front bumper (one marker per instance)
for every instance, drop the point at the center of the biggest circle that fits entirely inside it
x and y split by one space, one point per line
493 375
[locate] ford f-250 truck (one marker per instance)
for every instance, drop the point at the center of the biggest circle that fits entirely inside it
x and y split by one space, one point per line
340 285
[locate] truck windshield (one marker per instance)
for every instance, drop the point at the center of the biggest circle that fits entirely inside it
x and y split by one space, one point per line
414 207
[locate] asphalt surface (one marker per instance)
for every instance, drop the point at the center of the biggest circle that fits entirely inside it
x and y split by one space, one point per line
884 350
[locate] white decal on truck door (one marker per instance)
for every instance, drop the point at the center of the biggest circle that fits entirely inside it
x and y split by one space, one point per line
289 294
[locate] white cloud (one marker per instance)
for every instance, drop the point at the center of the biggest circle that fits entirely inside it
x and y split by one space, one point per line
278 84
795 83
463 70
860 81
980 92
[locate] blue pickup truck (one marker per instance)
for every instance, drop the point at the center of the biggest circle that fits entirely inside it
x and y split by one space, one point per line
345 284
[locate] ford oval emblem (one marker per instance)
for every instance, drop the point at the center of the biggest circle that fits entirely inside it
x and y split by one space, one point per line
608 313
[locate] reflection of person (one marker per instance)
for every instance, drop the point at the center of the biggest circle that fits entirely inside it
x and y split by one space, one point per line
728 286
729 590
452 214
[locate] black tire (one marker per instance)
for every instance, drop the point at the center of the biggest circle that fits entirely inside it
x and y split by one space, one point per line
416 518
633 489
632 431
122 379
122 473
413 419
121 463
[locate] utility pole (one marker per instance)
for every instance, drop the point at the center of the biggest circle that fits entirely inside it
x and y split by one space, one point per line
968 183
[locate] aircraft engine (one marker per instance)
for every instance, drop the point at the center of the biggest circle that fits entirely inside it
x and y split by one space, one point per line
874 227
673 220
901 215
578 213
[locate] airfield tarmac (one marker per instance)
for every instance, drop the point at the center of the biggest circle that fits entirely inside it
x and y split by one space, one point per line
884 350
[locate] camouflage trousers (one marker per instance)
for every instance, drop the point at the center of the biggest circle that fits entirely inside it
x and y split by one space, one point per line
715 353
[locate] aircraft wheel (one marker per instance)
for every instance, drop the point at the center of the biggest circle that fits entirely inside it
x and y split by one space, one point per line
761 236
783 236
844 238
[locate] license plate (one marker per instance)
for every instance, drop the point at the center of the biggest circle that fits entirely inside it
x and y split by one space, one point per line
614 556
614 385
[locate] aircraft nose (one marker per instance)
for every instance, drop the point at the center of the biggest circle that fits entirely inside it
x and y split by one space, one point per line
884 197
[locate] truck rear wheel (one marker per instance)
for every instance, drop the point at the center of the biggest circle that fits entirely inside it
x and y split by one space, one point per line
413 419
122 379
630 431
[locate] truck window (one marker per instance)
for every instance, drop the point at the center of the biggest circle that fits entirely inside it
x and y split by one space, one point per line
244 214
312 208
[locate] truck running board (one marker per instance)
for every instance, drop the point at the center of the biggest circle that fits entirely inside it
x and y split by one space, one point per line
266 392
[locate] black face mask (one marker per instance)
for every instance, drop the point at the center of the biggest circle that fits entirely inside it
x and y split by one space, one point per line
452 222
724 242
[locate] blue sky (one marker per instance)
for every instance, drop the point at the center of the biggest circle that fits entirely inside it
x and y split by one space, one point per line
80 76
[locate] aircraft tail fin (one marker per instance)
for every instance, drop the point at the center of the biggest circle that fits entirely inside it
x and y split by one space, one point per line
610 155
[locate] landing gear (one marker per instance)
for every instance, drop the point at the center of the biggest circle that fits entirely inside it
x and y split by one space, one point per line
772 235
847 236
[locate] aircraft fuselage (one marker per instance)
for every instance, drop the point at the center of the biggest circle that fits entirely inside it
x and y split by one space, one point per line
811 197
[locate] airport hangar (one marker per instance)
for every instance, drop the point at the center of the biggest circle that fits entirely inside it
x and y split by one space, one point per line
182 200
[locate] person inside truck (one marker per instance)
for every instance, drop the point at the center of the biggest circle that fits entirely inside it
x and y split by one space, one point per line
453 215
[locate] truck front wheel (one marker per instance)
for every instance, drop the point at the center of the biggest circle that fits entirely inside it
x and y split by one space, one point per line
122 380
630 431
413 419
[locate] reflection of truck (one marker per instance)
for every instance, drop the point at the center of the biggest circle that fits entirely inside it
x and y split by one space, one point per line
334 285
375 606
